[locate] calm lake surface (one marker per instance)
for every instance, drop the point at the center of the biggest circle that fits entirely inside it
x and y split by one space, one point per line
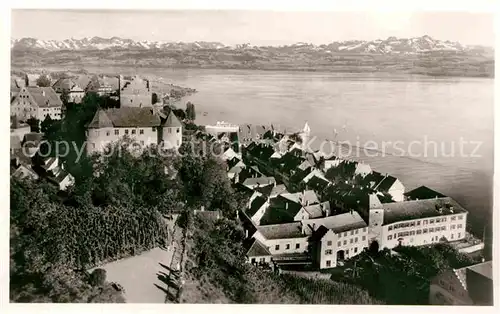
442 126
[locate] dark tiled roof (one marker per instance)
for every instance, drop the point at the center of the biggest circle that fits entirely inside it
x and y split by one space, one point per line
422 193
257 249
282 231
63 84
125 117
265 190
44 97
400 211
255 205
317 184
278 212
232 162
386 184
338 223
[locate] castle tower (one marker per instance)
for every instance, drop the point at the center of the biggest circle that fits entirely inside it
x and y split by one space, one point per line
375 221
305 134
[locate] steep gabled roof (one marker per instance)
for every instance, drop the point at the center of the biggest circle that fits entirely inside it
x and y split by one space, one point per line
44 97
281 210
125 117
256 248
422 193
172 121
386 184
257 203
100 120
338 223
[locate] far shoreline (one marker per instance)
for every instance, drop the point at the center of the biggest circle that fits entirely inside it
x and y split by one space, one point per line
349 71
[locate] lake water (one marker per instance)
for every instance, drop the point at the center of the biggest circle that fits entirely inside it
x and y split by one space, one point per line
427 117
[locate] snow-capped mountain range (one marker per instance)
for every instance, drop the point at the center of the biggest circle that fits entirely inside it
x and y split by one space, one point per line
105 43
391 45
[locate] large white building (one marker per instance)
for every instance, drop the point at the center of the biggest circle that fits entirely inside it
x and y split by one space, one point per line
144 126
282 239
336 238
36 102
417 222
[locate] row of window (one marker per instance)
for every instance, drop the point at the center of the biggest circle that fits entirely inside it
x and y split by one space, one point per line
412 233
425 222
134 131
140 142
330 251
351 241
287 246
353 232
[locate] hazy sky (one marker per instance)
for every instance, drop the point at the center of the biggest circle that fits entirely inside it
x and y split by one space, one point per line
255 27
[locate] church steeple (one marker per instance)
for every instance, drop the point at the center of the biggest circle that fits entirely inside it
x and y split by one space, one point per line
307 129
305 135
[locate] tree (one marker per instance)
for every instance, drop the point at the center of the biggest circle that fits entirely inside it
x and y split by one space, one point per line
179 113
43 81
98 277
46 124
190 111
154 98
34 124
65 97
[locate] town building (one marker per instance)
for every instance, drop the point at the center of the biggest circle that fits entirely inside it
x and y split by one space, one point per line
472 285
53 170
257 252
422 193
283 238
103 86
135 93
18 129
388 184
336 238
21 166
144 126
413 223
31 143
36 102
259 182
74 91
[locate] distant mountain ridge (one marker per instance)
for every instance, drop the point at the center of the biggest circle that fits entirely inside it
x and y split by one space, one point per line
419 55
391 45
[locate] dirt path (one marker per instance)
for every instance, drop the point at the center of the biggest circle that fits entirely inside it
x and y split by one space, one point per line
145 277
